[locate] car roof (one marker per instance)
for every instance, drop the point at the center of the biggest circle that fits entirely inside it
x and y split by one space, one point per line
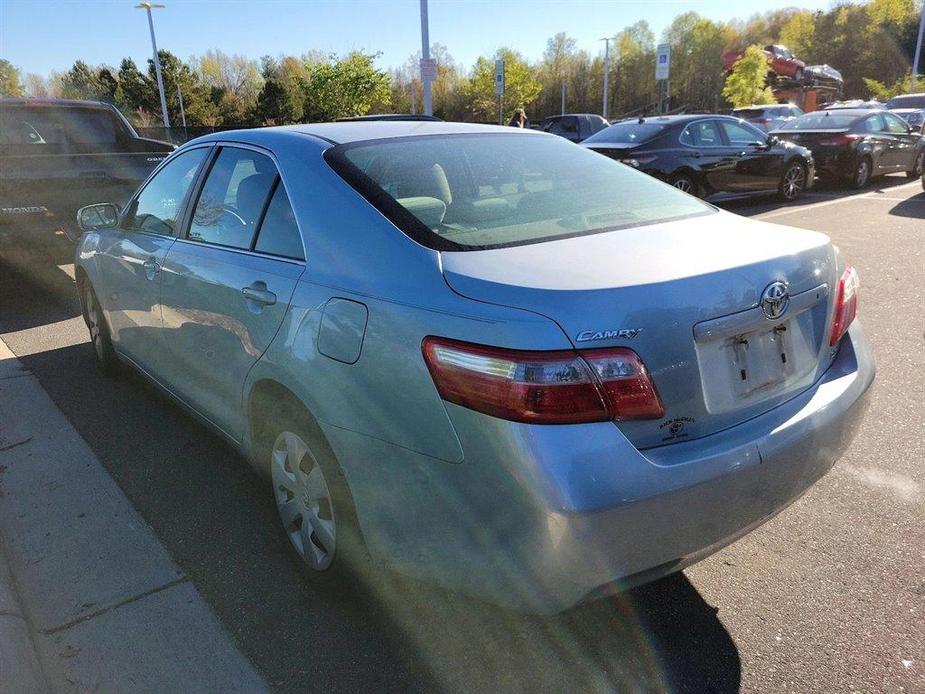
51 102
346 132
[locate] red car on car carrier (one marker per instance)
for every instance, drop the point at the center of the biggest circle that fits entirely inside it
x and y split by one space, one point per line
781 61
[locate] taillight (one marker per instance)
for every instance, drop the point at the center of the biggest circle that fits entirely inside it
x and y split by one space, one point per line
846 304
562 387
840 140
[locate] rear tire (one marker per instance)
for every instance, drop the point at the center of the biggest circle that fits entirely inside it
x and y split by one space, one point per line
918 168
106 358
861 174
685 184
315 506
792 182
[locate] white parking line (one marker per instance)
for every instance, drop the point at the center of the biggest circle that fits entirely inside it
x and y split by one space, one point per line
869 195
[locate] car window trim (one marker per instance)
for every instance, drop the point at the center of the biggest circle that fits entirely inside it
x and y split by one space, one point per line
184 204
258 226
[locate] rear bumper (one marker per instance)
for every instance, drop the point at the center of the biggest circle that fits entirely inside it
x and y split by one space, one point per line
542 518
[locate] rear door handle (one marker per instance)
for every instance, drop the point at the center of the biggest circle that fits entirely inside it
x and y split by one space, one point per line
258 292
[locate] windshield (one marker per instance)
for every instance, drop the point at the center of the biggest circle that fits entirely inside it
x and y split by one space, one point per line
913 101
464 192
821 120
628 132
749 112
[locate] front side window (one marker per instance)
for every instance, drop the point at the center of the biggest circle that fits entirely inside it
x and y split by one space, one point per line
233 198
894 125
465 192
741 134
157 208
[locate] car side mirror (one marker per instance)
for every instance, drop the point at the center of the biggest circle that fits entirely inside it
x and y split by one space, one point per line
104 215
773 140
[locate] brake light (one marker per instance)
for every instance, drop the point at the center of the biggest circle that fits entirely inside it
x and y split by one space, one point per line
846 304
563 387
840 140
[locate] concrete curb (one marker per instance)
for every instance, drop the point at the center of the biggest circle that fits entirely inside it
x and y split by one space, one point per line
90 600
20 671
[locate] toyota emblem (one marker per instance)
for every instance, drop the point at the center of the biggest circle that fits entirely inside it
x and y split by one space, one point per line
775 299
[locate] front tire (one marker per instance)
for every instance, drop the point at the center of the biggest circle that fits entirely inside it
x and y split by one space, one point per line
860 177
106 358
792 182
919 167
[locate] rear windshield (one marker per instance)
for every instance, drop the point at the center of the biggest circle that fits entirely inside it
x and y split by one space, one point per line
51 125
465 192
822 120
917 101
629 132
748 113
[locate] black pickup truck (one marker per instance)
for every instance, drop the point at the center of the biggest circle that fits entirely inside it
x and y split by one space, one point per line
57 155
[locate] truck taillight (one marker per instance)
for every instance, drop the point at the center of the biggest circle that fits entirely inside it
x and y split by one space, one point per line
563 387
846 304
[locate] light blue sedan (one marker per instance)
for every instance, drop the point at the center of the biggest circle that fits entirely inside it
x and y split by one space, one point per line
481 355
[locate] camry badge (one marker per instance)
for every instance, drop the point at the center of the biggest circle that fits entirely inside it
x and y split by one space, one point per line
595 335
774 300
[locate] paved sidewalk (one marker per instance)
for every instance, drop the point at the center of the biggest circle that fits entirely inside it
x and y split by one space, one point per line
90 601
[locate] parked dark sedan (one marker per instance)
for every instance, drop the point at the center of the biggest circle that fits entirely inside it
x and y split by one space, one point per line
706 154
858 144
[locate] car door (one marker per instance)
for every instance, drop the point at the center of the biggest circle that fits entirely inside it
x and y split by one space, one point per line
903 149
757 166
130 258
228 282
881 143
705 151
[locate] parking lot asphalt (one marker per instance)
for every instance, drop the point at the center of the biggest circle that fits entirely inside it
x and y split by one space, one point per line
828 596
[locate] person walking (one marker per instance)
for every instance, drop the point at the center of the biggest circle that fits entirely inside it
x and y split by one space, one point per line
519 119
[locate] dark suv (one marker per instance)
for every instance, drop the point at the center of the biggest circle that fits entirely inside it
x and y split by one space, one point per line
574 126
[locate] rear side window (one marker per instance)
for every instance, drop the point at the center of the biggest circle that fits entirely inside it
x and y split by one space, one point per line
873 124
279 233
704 133
233 198
157 208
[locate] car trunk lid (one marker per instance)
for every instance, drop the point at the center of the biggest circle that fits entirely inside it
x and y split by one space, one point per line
686 296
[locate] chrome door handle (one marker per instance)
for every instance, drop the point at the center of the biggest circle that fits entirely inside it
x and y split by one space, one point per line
152 267
259 294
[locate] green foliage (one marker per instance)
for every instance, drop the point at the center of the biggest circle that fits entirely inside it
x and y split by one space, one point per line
521 87
747 83
879 90
10 84
339 88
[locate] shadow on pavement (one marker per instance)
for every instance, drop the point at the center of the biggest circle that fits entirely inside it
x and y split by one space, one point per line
217 520
33 290
913 207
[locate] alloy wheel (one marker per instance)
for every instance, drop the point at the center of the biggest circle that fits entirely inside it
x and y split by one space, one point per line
794 181
684 184
303 500
919 165
862 173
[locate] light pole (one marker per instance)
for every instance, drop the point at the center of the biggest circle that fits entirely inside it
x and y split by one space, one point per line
425 55
147 6
918 51
606 75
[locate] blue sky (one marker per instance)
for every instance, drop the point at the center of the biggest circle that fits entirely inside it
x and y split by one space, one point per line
42 36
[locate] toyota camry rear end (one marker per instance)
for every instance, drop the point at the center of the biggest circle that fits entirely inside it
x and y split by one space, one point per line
631 378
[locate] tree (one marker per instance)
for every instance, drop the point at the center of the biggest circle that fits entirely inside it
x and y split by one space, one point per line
10 84
340 88
520 86
280 100
747 83
799 34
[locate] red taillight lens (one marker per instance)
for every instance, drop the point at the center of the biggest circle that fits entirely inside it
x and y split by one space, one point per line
839 140
846 304
542 387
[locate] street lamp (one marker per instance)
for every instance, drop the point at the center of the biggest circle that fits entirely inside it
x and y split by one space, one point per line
918 50
606 74
148 6
425 60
